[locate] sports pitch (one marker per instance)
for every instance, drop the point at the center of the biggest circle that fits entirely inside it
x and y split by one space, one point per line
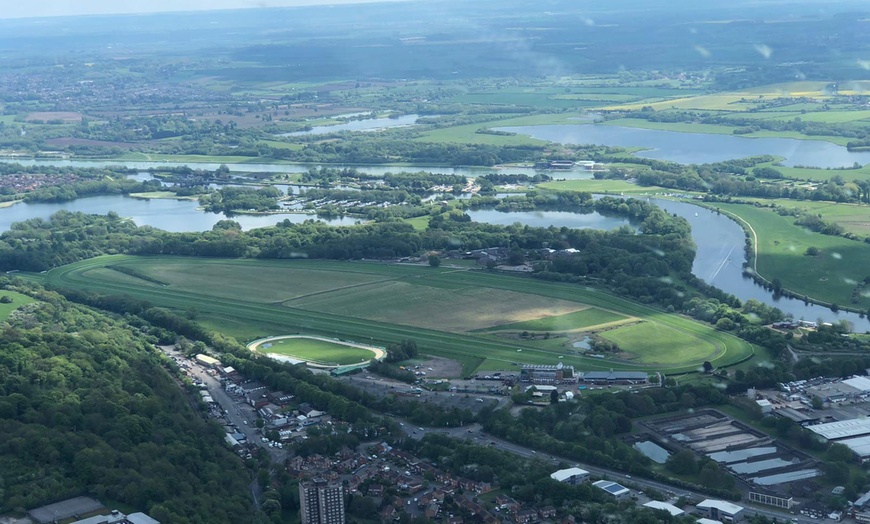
316 351
452 313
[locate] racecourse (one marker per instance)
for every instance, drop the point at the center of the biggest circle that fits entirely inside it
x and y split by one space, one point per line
249 299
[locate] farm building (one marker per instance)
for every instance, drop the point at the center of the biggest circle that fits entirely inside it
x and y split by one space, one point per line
720 510
207 361
543 374
615 377
670 508
571 476
617 491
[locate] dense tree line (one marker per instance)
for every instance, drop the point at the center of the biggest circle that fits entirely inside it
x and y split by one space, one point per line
86 408
37 244
85 188
806 127
231 198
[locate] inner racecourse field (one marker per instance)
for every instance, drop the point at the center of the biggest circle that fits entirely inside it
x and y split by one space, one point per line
316 351
454 313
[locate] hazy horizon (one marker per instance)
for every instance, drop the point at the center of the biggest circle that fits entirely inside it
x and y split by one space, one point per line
55 8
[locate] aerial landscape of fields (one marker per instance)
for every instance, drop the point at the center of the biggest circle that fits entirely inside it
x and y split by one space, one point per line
441 261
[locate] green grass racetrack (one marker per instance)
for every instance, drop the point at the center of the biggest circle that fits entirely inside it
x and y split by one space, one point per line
238 300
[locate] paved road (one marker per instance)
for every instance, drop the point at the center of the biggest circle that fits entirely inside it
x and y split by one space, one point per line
238 413
475 434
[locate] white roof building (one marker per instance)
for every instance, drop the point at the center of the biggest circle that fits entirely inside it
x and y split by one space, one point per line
841 429
570 475
140 518
670 508
720 509
862 384
859 445
617 490
708 521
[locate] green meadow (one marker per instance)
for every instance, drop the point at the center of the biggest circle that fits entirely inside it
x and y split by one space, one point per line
830 276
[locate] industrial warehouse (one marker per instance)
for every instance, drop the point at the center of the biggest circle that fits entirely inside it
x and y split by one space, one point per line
852 433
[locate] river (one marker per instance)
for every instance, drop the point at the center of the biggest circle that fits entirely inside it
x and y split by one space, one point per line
377 170
720 257
718 261
697 148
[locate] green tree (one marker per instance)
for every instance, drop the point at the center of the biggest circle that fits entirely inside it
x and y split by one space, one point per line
682 463
434 260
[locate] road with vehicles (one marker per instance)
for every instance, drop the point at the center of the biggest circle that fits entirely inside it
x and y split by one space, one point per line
475 433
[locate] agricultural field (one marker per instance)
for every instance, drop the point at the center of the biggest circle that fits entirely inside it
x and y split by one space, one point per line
747 99
820 175
446 310
829 276
759 103
853 218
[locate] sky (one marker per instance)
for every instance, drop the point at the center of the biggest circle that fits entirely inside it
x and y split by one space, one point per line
33 8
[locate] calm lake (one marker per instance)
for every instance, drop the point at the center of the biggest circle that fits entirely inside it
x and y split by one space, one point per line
368 124
697 148
592 220
169 215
